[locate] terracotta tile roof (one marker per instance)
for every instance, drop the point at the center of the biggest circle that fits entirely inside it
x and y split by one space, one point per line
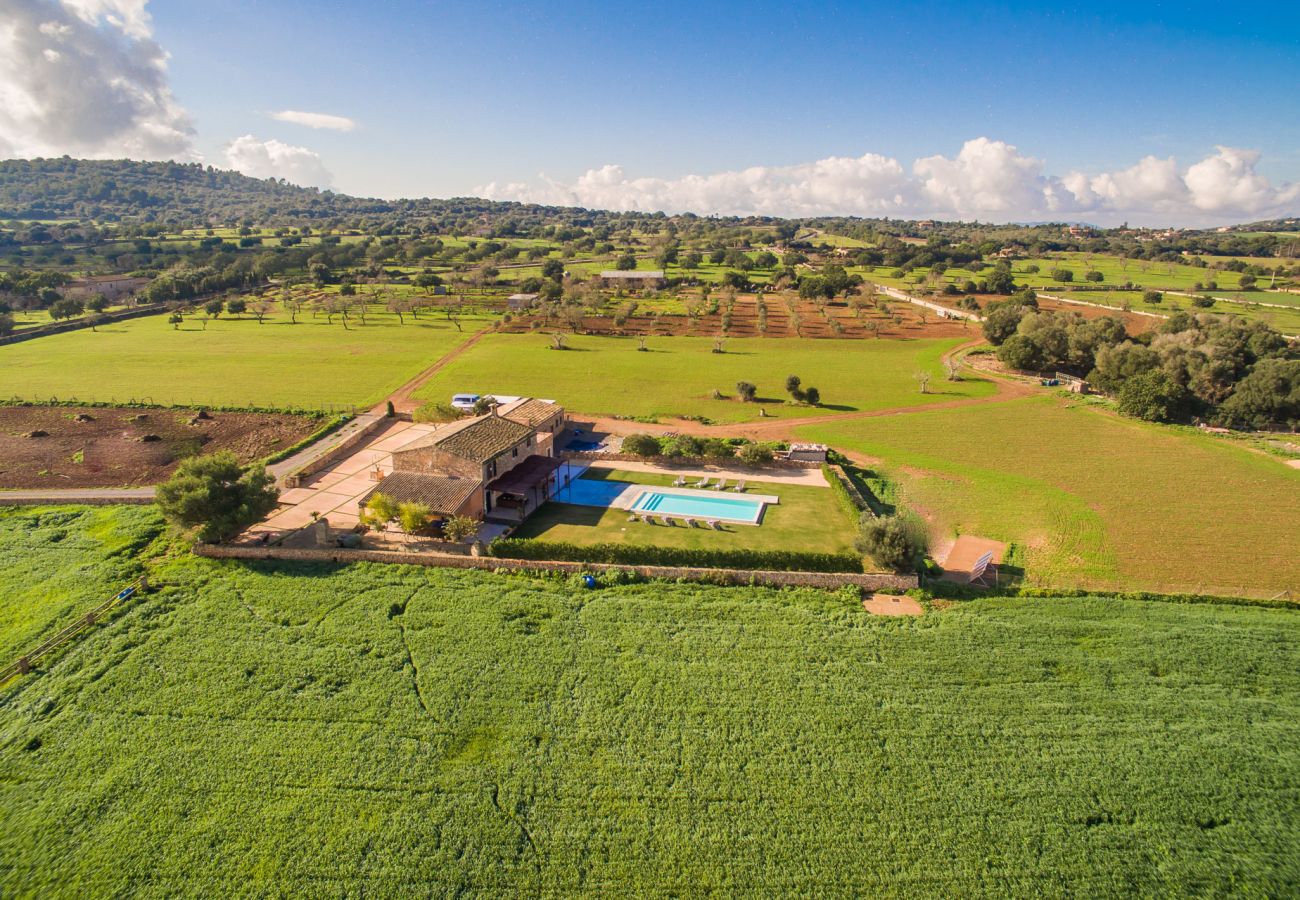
439 492
482 439
530 412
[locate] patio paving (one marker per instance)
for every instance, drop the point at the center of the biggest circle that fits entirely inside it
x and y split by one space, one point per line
334 492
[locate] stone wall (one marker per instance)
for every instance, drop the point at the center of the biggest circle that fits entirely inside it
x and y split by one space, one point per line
342 449
75 324
685 462
825 580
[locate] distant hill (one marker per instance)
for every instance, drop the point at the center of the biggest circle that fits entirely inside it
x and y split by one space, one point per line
192 194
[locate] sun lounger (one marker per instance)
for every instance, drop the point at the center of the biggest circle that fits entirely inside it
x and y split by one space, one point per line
702 483
680 481
740 487
688 522
667 520
713 523
721 485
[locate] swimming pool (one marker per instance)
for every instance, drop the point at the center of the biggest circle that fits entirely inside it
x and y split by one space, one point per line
732 509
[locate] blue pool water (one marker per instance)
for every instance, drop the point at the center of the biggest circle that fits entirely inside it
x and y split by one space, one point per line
585 446
733 509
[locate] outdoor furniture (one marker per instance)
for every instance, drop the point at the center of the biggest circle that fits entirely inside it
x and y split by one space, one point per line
740 487
632 517
680 481
667 520
688 522
713 523
721 485
702 483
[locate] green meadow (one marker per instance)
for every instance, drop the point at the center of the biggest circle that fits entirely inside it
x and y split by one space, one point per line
275 729
1091 499
676 376
229 361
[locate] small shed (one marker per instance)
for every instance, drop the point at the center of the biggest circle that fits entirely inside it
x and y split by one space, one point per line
522 301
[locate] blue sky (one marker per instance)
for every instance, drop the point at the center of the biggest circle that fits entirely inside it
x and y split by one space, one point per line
451 98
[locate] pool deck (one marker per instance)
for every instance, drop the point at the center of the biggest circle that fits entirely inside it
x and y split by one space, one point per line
579 491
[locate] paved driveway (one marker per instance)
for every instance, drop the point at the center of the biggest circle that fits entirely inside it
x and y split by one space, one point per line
335 492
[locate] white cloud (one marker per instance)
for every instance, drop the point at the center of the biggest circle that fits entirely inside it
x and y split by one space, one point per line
987 179
315 120
86 78
275 159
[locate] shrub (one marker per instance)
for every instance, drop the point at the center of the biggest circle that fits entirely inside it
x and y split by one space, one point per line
457 528
812 395
897 542
1153 297
642 445
682 445
755 454
413 517
1093 275
717 448
684 557
746 391
379 511
1062 275
436 412
216 497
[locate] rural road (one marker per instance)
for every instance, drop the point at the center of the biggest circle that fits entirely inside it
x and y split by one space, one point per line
77 495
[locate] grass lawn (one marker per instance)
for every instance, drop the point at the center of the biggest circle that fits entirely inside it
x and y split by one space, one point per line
254 730
807 519
1093 499
607 375
232 362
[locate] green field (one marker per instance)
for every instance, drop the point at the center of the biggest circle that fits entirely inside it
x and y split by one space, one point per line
59 563
232 362
608 375
807 518
1092 499
279 730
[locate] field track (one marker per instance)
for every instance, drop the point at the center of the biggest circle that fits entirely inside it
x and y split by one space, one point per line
401 398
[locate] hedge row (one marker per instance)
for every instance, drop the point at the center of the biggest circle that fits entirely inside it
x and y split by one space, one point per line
846 492
140 404
1278 602
680 557
328 428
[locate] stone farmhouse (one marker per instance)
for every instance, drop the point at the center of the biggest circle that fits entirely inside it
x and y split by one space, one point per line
500 466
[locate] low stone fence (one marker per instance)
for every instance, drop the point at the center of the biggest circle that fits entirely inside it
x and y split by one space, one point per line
825 580
685 462
74 324
345 447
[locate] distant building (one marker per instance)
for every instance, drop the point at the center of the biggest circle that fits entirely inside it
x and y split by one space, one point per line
522 301
632 278
114 287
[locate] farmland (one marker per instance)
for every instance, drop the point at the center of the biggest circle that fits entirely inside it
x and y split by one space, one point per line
1092 499
676 376
271 729
230 361
109 447
60 562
